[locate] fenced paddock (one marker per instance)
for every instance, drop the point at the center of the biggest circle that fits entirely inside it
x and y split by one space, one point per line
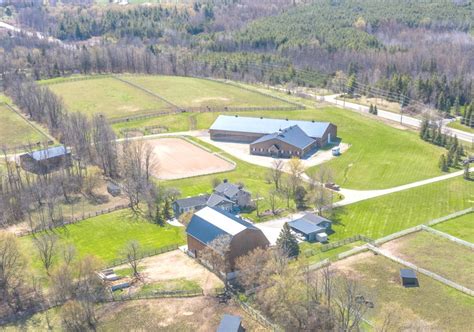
442 307
176 158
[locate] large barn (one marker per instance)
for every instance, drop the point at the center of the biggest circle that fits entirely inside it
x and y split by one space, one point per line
274 137
208 224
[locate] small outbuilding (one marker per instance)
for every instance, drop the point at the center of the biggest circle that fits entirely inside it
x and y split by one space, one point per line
113 189
230 323
312 227
47 160
408 278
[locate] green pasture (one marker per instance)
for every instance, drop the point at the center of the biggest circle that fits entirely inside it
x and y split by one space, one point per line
460 227
457 125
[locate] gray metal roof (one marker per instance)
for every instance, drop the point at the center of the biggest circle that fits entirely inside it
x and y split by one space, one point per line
309 223
407 273
216 199
192 201
229 323
52 152
227 189
209 223
267 126
305 227
293 135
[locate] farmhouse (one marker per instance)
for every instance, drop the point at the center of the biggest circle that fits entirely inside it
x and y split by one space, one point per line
235 193
274 137
209 223
194 203
47 160
312 227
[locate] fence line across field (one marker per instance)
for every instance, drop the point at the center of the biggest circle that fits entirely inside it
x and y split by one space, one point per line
428 273
449 237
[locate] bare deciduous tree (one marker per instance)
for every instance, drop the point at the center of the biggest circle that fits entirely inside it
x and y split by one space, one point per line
46 246
276 172
133 254
216 253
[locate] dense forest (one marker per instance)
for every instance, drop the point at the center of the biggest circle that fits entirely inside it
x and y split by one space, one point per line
420 51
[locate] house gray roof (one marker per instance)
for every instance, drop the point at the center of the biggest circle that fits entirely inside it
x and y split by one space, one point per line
192 202
293 135
216 199
209 223
267 126
227 189
52 152
230 323
309 223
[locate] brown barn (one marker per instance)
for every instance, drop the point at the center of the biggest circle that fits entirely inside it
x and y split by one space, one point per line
274 137
47 160
209 223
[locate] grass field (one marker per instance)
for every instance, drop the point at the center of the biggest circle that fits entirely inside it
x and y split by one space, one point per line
16 131
196 92
107 96
461 227
437 254
442 307
312 251
104 236
391 213
457 125
380 156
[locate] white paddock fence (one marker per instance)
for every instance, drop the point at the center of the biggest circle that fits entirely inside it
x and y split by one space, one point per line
449 237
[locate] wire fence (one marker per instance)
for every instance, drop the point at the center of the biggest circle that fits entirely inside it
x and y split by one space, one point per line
259 317
145 254
73 220
154 295
428 273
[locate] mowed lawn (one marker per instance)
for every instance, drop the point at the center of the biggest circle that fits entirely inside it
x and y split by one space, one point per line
16 131
107 96
457 125
460 227
391 213
196 92
380 156
106 235
437 254
442 307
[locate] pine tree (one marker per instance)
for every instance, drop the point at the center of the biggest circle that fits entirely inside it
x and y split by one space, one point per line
167 211
371 109
159 220
287 242
376 111
450 158
443 166
467 174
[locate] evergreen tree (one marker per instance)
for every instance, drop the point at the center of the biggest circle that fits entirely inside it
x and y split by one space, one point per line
424 129
467 174
159 220
287 242
300 197
450 159
376 111
443 166
167 211
371 109
351 84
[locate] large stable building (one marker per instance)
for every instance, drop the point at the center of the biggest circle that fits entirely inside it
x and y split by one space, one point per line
274 137
47 160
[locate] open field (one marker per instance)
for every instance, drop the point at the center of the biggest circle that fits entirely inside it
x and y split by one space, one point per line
105 235
186 314
457 125
379 157
437 254
176 158
16 131
461 227
438 306
195 92
391 213
107 96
